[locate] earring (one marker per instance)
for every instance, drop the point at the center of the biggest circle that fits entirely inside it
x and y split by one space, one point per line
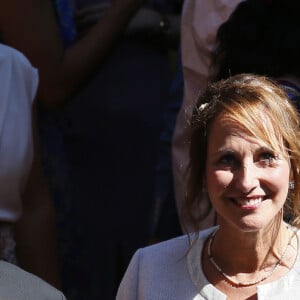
291 185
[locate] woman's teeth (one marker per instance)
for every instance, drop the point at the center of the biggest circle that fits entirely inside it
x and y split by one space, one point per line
252 201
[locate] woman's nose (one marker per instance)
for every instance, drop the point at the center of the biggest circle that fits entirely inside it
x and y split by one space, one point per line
247 177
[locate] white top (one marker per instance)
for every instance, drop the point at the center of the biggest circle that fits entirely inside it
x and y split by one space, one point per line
19 82
169 270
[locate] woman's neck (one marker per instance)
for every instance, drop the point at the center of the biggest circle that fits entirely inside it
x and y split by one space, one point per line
248 252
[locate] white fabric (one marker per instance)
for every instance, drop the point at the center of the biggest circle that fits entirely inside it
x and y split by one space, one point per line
18 85
169 271
200 22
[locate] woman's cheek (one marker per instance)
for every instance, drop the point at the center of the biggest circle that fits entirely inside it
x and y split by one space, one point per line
218 179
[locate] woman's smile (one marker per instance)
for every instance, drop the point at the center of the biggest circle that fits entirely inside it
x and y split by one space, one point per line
249 202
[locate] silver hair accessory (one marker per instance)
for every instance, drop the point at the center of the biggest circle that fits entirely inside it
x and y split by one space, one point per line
202 106
201 109
291 185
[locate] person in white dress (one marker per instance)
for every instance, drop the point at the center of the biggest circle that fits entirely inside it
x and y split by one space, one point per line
27 216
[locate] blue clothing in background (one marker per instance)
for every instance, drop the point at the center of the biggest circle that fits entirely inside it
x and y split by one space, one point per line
100 154
65 21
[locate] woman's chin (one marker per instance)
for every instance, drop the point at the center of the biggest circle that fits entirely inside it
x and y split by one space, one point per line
246 223
252 224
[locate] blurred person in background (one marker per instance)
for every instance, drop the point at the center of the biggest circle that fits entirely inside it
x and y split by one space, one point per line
112 130
27 217
45 32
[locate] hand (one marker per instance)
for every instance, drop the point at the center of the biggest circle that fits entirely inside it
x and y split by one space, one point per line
87 17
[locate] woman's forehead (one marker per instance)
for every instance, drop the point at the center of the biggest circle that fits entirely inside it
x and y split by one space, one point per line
228 127
262 132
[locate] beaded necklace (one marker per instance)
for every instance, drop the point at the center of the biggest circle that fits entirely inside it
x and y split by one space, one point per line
247 283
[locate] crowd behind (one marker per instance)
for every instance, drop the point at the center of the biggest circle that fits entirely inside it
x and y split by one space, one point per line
103 93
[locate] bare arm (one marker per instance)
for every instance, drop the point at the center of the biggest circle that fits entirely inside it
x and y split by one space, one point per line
147 22
36 230
30 26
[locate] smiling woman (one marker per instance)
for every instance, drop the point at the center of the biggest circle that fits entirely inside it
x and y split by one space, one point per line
249 109
245 152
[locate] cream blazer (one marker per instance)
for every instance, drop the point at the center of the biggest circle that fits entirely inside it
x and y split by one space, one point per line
171 270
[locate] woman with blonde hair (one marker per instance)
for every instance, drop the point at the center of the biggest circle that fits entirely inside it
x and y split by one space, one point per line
245 155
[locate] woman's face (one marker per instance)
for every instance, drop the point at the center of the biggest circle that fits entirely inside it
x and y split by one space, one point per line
246 181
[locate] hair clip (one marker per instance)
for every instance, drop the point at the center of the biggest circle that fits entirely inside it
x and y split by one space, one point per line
202 106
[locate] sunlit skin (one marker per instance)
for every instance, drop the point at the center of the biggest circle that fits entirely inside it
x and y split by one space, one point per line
246 181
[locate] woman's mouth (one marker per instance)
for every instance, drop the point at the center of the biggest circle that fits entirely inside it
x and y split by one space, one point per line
248 203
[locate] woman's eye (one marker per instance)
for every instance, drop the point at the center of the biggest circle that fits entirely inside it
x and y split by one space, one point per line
228 160
267 158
